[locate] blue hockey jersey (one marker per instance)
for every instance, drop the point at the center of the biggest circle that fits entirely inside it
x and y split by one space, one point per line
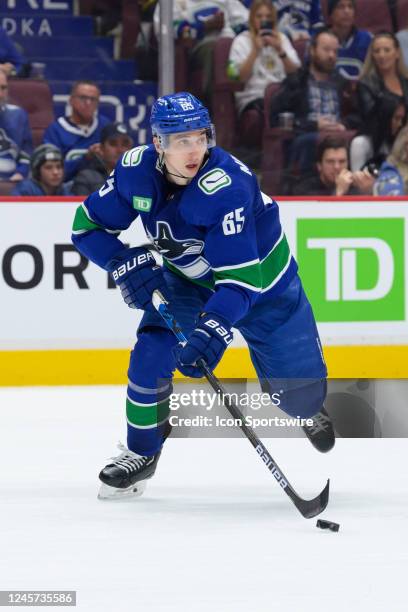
219 231
74 140
299 16
30 187
352 53
16 144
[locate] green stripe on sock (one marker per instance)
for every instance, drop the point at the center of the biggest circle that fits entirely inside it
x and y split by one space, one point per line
142 416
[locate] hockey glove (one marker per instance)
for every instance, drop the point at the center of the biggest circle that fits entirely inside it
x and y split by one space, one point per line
137 275
208 342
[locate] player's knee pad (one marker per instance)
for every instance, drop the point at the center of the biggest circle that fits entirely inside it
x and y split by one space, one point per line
298 397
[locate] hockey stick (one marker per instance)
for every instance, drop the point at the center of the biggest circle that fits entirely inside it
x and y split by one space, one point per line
308 508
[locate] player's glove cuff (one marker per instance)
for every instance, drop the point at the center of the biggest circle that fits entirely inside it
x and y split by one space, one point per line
207 342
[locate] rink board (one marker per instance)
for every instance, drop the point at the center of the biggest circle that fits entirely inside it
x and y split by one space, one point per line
62 324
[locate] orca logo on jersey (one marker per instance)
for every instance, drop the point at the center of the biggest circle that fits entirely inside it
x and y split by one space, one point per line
130 265
170 247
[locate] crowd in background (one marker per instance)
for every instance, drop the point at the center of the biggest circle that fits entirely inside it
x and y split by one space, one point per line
340 107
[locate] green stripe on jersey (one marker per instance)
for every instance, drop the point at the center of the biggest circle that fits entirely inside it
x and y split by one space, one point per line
262 275
203 283
249 275
140 415
275 263
82 222
258 276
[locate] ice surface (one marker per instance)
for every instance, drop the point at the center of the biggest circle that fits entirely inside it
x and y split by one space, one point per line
213 530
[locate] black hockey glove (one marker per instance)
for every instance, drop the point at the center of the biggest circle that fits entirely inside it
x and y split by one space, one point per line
208 342
137 275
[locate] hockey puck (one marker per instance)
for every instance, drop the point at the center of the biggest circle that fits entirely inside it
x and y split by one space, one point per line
327 525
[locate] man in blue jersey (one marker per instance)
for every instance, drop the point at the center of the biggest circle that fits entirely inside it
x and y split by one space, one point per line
79 133
226 263
16 143
354 43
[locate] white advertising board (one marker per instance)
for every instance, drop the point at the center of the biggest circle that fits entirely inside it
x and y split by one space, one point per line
352 257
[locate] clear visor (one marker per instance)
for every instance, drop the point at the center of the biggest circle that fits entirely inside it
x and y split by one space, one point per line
181 142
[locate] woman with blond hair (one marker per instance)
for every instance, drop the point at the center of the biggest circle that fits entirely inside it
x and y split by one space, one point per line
260 56
383 83
393 178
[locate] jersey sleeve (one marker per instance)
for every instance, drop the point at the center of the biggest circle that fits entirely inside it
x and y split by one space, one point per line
240 49
26 147
100 219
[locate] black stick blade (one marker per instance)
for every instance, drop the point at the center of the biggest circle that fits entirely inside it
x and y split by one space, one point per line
312 507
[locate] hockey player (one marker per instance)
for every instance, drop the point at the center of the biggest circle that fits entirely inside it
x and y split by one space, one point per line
226 263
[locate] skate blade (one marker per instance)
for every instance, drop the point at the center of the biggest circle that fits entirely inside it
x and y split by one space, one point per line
111 493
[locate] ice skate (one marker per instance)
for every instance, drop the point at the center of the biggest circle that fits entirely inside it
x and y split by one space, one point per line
126 475
321 433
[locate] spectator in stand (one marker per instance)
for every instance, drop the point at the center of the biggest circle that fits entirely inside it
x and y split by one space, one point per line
383 81
393 176
11 60
115 141
260 56
16 143
354 43
318 97
332 176
78 134
202 22
299 19
47 171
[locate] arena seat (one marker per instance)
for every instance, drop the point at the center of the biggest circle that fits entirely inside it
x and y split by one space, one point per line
402 14
131 19
6 187
232 131
36 98
272 148
302 47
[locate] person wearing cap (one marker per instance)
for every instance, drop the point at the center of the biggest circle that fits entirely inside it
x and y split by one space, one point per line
47 171
354 43
115 141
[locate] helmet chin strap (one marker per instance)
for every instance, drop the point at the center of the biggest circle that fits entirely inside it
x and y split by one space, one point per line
163 165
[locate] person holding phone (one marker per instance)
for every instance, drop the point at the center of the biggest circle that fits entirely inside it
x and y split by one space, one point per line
260 55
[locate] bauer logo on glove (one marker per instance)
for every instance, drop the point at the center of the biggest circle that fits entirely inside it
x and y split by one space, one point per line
130 265
207 343
137 275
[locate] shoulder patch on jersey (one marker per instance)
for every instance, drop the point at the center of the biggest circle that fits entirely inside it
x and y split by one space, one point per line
214 180
133 157
142 204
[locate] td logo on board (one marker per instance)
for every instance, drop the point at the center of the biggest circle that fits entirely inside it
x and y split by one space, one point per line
353 269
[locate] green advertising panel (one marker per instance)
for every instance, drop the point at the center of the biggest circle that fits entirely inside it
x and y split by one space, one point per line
353 269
